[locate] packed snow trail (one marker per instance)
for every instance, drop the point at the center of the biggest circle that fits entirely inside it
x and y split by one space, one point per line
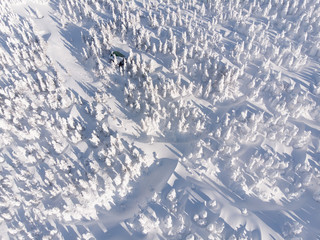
59 47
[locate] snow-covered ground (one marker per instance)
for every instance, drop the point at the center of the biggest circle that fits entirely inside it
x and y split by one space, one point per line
209 130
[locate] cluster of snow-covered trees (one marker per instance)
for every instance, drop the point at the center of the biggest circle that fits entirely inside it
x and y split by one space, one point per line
223 77
45 130
216 52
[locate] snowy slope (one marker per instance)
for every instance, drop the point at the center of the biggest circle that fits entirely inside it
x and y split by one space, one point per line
210 130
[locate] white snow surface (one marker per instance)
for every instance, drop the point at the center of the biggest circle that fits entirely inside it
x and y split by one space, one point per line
209 130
